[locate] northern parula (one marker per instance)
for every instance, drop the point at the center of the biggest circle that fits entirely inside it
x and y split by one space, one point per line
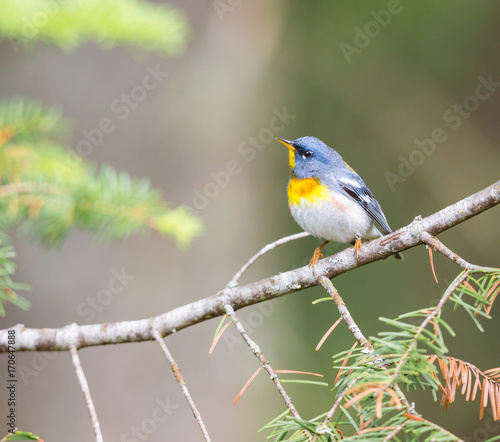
328 199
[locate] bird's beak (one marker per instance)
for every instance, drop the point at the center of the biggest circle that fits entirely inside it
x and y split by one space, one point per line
287 143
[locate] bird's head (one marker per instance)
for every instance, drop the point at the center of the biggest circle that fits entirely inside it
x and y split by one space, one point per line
309 157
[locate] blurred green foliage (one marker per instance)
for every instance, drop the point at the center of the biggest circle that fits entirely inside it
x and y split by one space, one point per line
47 190
20 435
68 24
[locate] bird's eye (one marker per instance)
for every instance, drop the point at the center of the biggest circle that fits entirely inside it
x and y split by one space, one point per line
307 154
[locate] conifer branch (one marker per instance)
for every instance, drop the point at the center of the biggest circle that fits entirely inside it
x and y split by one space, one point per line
47 339
456 373
436 311
393 390
377 388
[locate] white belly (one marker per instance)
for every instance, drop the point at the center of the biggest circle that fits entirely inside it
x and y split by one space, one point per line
329 220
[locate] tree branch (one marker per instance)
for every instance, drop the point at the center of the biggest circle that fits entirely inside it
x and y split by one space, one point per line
143 330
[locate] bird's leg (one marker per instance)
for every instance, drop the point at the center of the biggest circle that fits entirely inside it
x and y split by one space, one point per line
357 246
317 255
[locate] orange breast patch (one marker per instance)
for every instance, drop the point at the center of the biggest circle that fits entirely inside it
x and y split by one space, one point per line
308 189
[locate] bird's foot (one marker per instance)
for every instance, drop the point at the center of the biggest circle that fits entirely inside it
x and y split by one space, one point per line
317 255
357 246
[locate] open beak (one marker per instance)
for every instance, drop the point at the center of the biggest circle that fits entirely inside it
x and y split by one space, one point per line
287 143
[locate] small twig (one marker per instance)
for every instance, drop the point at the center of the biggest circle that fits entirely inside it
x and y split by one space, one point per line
263 362
267 248
234 280
395 431
342 395
409 407
336 404
180 380
344 312
438 246
86 392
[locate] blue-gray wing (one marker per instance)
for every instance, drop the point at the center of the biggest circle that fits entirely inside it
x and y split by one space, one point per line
354 186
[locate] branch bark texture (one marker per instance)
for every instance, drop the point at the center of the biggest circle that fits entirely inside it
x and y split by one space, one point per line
61 339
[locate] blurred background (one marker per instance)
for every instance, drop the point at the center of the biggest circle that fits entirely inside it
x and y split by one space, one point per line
407 92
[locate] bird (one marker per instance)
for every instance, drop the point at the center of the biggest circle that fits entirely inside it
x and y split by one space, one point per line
328 199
